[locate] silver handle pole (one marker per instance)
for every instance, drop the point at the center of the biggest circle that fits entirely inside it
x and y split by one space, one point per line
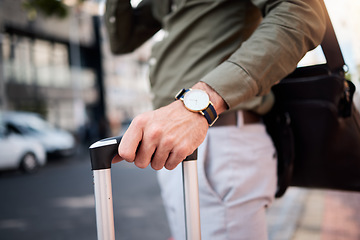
101 153
191 197
104 204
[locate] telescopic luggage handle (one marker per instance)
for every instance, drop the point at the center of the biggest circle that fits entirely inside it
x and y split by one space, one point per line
101 153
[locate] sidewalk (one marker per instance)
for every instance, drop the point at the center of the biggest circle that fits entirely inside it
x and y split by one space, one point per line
315 215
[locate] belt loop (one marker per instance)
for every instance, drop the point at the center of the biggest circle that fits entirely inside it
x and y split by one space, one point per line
240 118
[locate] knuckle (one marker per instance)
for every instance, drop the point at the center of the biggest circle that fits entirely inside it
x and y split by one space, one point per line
168 142
183 151
177 156
126 155
155 133
138 121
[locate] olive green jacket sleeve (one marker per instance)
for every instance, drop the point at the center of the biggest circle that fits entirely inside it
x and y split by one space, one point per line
129 27
288 30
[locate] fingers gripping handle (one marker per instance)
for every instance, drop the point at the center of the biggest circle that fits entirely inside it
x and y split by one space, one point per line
103 151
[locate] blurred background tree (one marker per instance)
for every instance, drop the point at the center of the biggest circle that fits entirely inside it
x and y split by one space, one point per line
49 8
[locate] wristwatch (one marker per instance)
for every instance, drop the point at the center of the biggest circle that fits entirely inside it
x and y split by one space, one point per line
196 100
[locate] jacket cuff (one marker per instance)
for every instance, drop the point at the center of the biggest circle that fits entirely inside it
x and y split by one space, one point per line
232 83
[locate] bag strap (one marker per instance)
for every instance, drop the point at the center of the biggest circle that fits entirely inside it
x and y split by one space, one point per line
330 45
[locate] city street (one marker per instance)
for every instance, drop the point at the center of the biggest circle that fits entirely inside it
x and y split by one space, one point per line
58 202
62 63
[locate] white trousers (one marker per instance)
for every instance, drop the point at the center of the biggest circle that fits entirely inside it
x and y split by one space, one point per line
237 181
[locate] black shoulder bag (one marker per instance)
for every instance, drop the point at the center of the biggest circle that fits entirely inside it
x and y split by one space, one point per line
315 126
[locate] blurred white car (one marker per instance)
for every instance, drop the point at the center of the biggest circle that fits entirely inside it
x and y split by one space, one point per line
17 151
57 142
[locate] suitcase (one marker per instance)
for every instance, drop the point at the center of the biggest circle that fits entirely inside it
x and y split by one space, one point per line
102 153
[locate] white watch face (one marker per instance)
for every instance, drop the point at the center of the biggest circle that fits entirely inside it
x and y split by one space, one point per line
196 100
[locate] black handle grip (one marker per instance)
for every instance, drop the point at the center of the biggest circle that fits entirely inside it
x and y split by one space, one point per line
192 157
102 152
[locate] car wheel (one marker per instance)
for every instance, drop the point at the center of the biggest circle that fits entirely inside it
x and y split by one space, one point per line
29 163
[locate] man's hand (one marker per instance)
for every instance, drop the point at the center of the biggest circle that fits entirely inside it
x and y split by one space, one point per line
166 136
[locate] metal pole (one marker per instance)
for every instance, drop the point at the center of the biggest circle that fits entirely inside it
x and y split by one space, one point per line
104 204
191 197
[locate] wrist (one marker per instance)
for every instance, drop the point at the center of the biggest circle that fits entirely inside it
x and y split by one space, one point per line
217 101
186 113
